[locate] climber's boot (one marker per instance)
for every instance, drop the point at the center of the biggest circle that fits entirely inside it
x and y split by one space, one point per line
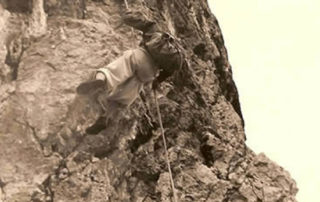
97 127
89 86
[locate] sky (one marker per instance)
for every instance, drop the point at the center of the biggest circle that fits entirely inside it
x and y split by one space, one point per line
274 50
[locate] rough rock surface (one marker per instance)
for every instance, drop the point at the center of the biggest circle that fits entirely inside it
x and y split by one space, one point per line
48 48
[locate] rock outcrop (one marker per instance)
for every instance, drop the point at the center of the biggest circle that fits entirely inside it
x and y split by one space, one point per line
49 47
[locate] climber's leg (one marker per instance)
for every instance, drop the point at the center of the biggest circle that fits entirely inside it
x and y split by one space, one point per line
114 114
89 86
109 119
98 126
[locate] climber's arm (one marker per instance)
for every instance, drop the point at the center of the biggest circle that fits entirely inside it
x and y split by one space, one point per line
138 20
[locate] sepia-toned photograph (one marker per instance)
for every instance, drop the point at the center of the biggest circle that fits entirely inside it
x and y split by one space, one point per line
159 101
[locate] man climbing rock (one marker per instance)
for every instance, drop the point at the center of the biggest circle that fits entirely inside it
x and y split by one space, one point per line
122 80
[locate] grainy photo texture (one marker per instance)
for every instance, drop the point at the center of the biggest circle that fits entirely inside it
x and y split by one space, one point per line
134 100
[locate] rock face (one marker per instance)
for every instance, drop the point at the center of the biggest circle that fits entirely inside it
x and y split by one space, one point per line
48 48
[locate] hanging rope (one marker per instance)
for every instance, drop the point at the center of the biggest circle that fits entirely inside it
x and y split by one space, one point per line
132 36
165 146
162 132
126 3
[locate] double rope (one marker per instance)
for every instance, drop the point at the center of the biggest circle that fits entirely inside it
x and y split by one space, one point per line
162 133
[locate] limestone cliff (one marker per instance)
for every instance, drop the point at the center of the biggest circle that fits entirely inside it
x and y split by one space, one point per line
49 47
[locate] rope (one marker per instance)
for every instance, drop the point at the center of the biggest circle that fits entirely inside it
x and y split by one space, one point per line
162 132
165 147
126 3
127 7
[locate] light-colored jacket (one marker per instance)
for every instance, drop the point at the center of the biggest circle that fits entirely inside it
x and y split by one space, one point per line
127 74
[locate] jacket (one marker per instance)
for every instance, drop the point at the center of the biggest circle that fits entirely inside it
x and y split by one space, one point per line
126 76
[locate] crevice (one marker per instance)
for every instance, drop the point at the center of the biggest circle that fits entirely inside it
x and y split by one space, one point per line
49 193
200 100
224 74
59 174
208 195
145 129
105 152
2 185
15 49
233 194
253 189
150 181
146 177
51 66
235 162
33 133
53 180
209 151
200 50
210 154
18 6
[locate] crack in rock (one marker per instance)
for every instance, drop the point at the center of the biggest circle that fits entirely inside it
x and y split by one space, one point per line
15 49
2 191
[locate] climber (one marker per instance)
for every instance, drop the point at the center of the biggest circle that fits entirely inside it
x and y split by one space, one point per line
122 80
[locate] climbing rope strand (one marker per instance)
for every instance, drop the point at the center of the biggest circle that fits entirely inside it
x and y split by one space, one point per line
165 146
162 132
126 3
132 36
